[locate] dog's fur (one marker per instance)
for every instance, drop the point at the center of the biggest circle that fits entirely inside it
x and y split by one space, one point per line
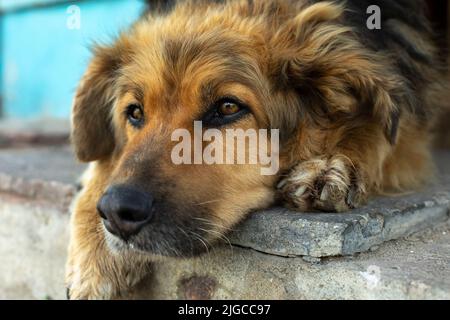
354 107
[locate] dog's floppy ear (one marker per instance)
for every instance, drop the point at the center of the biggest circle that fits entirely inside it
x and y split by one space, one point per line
92 134
320 58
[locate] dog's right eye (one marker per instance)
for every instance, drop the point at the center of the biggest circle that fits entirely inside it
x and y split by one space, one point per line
225 111
135 115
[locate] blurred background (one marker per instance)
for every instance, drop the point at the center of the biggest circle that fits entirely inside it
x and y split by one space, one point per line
44 50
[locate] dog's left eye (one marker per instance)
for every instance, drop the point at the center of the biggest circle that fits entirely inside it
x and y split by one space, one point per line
225 111
135 115
228 108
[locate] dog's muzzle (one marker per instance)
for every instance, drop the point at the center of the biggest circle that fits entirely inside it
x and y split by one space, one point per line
125 210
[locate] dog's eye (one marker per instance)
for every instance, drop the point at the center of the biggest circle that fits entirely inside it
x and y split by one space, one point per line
228 108
225 111
135 115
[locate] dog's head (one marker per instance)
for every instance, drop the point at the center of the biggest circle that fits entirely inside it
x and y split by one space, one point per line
242 65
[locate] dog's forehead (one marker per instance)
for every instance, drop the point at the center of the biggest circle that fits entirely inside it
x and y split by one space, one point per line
188 66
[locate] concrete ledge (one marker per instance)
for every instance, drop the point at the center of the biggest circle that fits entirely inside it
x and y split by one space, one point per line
44 132
34 238
275 254
414 268
284 233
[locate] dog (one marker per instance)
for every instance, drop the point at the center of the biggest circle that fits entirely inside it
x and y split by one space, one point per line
354 106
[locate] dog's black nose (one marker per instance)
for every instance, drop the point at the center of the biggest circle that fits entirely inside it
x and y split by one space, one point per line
125 210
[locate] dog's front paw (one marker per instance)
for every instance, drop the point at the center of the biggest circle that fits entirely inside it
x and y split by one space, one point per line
95 273
331 185
84 282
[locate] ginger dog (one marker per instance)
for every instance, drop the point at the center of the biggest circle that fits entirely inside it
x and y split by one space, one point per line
354 108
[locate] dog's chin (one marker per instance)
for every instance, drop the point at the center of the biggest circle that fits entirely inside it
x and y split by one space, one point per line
154 249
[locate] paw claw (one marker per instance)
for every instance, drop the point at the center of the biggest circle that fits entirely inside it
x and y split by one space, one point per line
300 191
324 194
282 184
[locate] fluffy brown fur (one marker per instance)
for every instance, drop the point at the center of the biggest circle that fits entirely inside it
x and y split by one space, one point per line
354 117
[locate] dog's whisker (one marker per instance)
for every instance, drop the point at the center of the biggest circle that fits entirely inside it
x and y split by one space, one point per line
207 202
187 236
184 232
218 234
219 226
201 239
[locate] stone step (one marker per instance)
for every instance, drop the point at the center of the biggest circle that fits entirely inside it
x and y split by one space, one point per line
414 268
274 254
41 131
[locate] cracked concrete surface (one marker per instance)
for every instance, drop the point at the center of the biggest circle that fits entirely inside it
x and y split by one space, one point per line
412 268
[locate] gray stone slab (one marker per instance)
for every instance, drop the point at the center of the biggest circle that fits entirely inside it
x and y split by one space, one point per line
34 237
45 173
44 131
285 233
55 164
413 268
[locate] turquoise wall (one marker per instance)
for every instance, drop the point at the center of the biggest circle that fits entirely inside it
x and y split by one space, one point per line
42 59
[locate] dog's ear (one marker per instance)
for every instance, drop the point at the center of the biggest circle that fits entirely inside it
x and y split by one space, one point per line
318 57
92 134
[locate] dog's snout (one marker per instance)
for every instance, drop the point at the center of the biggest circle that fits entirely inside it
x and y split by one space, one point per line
125 210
